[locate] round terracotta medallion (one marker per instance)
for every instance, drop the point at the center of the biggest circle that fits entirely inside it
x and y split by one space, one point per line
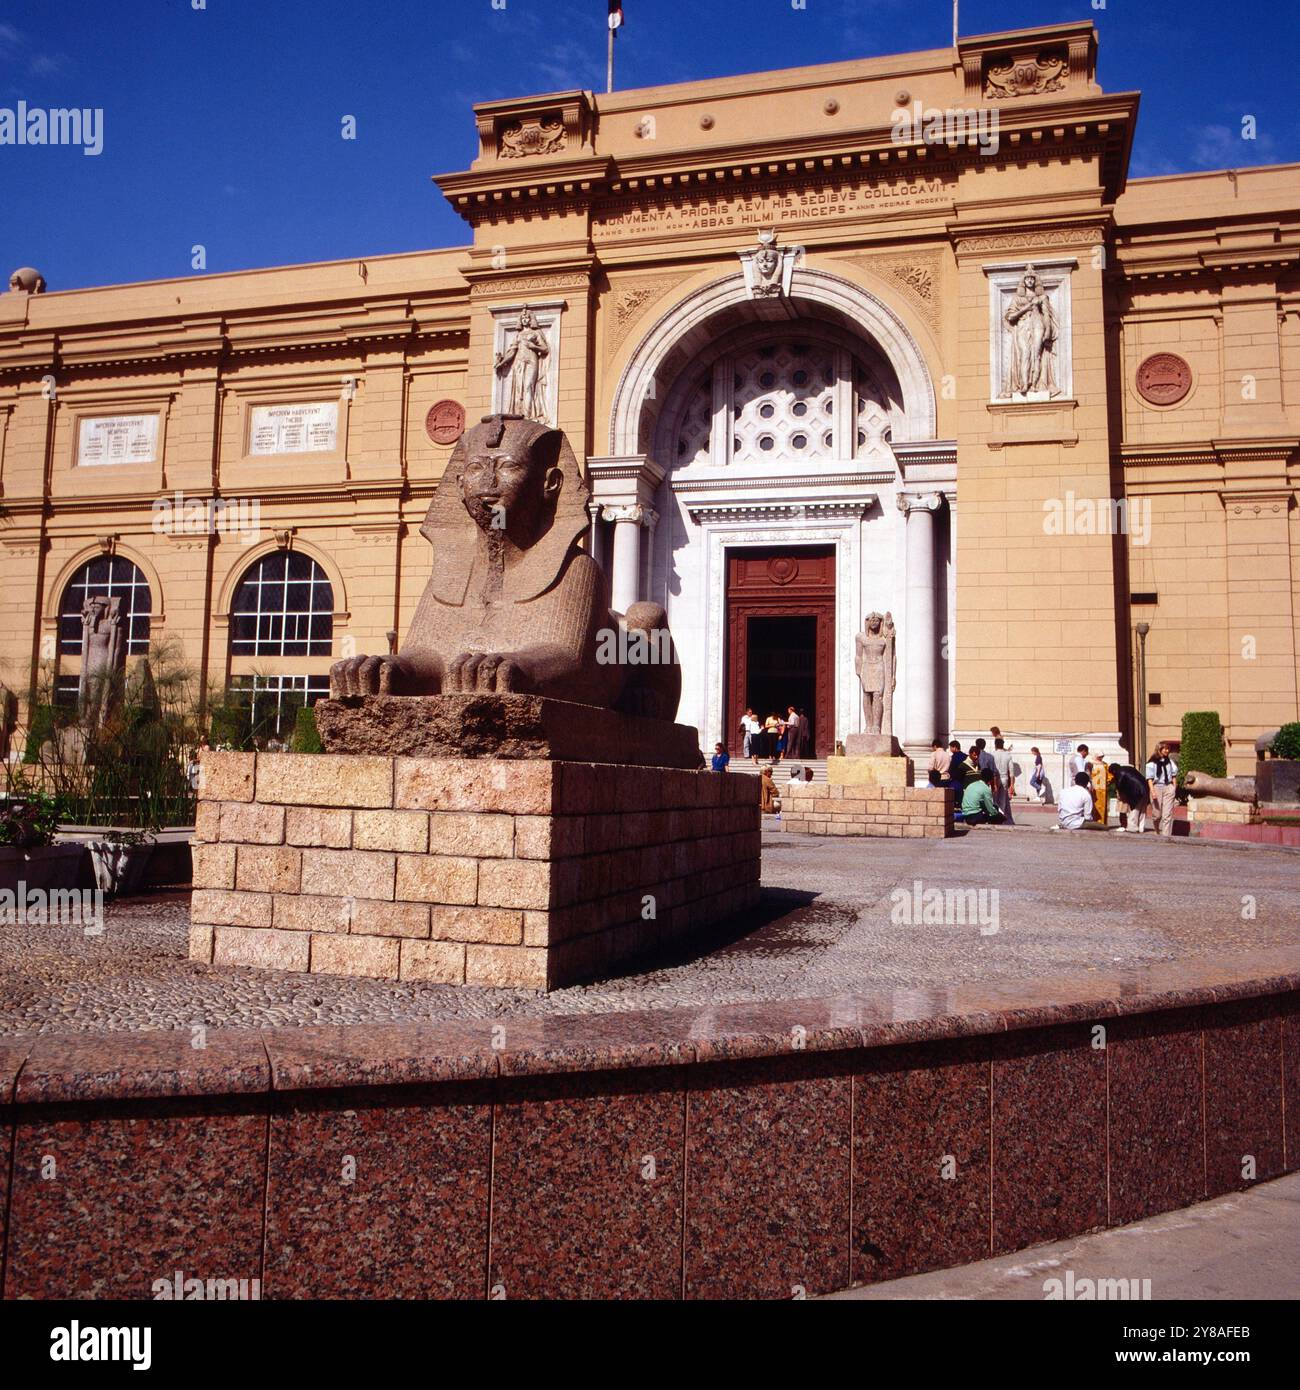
782 569
445 422
1164 379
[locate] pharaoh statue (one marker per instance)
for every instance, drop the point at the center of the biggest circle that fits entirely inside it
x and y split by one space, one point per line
523 363
103 657
512 603
874 664
1031 324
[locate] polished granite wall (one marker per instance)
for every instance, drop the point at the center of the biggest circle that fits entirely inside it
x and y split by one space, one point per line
747 1151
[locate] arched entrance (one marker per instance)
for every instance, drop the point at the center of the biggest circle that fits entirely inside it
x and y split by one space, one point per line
753 431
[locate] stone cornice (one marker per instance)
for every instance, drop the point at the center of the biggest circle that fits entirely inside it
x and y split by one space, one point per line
818 508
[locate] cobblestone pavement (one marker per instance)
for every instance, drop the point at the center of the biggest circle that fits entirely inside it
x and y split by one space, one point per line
1065 904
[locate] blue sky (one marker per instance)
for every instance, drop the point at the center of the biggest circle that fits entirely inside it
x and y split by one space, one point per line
222 125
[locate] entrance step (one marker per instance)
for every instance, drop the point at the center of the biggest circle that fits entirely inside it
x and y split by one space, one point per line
781 771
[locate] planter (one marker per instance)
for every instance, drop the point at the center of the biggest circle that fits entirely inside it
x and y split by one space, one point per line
1277 779
47 868
118 869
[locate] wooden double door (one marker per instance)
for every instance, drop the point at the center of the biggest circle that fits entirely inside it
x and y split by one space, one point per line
781 638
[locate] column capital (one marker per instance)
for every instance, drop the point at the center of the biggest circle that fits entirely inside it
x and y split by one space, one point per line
633 512
909 502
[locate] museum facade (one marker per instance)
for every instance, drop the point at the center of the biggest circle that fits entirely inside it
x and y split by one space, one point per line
896 336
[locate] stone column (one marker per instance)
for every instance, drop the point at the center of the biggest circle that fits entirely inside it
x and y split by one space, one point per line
625 582
920 634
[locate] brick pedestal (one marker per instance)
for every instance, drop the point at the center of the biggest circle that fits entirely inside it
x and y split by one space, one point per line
482 872
898 812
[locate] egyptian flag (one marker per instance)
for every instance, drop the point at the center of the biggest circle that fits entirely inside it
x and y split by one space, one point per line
615 14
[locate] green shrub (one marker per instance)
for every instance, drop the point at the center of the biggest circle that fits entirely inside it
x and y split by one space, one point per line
232 727
1202 747
28 819
39 732
306 738
1287 742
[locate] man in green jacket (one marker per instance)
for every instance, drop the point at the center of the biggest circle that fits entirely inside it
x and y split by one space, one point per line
977 804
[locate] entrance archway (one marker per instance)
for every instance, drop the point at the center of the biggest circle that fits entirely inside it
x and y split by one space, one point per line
741 425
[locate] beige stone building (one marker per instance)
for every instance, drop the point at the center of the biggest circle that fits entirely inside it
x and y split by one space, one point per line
897 334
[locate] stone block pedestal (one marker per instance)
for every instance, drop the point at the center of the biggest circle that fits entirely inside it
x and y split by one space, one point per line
525 873
895 811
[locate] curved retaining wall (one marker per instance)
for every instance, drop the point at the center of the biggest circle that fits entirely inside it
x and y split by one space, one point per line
754 1151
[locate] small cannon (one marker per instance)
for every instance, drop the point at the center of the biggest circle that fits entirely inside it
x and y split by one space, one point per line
1229 788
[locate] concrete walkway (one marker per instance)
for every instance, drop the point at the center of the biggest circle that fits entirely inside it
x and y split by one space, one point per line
1243 1246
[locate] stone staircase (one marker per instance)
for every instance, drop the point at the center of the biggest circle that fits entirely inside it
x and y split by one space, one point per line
781 771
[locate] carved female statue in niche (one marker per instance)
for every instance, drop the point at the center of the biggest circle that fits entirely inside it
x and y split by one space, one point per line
524 362
1031 323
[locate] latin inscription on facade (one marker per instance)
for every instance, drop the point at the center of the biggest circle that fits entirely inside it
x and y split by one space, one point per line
309 428
117 439
667 216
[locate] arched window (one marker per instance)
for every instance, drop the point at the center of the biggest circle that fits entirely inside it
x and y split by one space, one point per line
780 402
284 606
110 576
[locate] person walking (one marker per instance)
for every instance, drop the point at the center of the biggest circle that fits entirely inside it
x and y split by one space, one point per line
1003 779
751 729
1038 778
793 732
1162 774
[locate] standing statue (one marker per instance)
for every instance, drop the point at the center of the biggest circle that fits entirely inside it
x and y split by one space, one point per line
513 605
524 363
874 662
103 657
1031 322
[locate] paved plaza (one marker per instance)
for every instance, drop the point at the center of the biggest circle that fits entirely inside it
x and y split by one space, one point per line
833 921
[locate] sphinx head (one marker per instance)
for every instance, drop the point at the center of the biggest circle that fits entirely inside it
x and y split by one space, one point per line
511 479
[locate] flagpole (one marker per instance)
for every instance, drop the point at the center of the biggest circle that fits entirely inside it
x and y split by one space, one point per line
954 23
609 68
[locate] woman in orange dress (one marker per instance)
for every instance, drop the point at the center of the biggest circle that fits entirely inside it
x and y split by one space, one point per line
1100 782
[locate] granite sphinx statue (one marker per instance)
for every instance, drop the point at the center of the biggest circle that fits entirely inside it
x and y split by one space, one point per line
513 605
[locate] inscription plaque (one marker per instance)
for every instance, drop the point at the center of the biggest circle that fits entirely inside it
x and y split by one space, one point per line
308 428
117 439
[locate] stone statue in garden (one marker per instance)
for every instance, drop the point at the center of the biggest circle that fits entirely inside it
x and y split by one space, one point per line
103 658
513 605
874 664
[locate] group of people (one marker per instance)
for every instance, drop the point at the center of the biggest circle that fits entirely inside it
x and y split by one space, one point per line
984 782
776 737
1150 793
